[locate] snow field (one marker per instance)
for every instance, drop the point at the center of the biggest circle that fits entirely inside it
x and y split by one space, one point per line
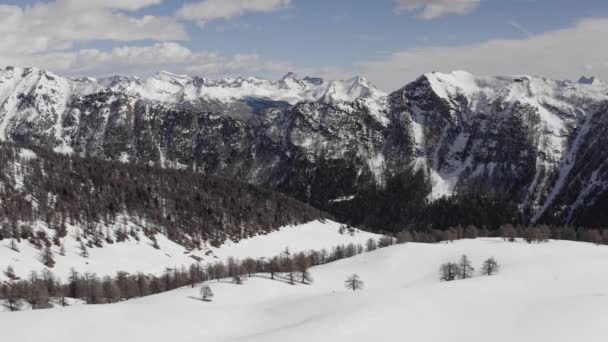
548 292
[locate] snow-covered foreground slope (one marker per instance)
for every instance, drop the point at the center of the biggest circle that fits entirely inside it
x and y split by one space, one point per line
547 292
140 255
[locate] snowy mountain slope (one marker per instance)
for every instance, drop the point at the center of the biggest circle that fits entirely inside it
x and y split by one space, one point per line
532 141
137 255
591 81
516 134
549 292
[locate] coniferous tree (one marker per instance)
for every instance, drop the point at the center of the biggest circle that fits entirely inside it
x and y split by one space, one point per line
449 271
206 293
84 252
490 267
10 273
465 267
354 283
47 257
13 245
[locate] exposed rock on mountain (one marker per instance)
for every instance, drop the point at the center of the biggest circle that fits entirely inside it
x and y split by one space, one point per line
443 150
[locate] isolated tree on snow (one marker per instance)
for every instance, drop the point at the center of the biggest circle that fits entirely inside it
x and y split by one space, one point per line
13 245
449 271
490 267
466 268
62 250
206 293
353 283
10 273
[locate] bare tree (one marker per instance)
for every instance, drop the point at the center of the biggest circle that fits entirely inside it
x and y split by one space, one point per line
353 283
466 268
302 265
274 266
206 293
449 271
490 267
289 267
13 245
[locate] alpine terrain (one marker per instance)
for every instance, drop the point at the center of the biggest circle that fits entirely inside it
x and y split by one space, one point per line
446 149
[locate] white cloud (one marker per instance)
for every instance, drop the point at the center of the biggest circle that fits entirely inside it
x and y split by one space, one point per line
139 60
436 8
129 5
562 54
207 10
58 25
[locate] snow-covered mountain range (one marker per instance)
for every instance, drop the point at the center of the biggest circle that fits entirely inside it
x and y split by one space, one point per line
537 142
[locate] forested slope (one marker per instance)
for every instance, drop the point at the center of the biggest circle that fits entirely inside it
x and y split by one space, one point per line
40 186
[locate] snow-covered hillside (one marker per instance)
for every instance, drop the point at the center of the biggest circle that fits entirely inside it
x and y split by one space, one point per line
140 255
544 292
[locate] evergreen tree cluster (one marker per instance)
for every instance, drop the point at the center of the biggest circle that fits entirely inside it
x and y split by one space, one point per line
185 206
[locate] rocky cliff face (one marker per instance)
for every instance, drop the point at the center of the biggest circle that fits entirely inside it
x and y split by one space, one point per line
342 146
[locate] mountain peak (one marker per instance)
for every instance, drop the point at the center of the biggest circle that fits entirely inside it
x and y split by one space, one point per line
290 75
590 80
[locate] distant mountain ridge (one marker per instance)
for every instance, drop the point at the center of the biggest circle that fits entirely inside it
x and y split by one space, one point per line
439 151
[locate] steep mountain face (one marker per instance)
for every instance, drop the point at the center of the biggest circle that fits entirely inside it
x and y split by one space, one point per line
444 144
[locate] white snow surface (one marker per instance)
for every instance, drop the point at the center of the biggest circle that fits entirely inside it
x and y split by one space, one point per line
544 292
167 87
140 256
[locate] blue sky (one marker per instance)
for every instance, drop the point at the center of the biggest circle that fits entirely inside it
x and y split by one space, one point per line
389 41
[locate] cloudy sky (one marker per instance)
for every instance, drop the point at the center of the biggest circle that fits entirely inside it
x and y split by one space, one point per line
391 42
